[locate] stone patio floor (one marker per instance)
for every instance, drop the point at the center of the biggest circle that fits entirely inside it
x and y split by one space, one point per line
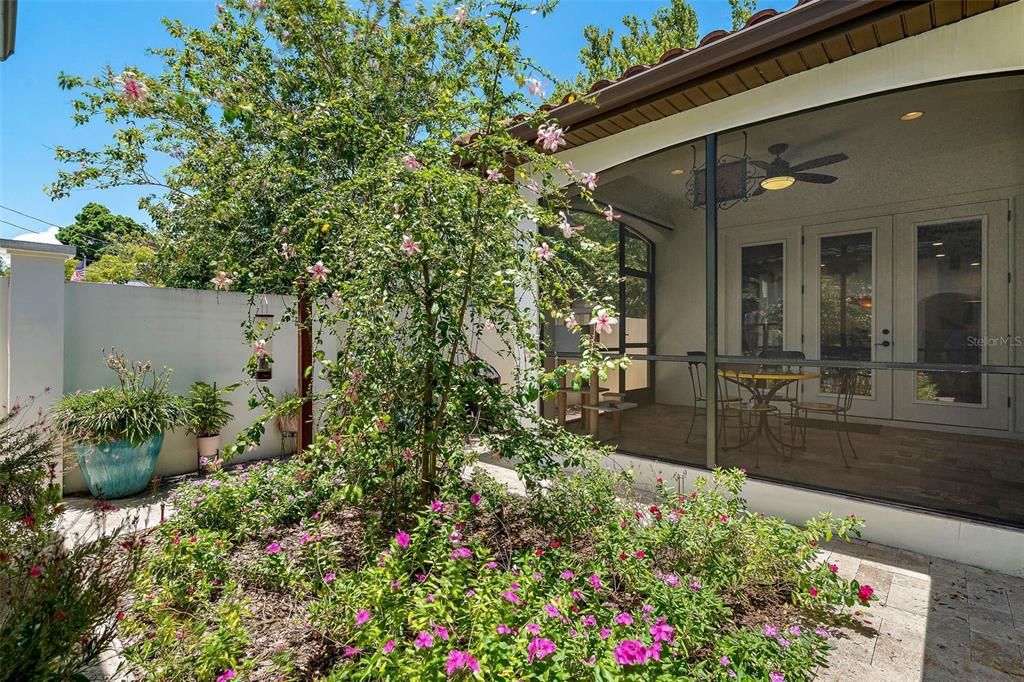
935 620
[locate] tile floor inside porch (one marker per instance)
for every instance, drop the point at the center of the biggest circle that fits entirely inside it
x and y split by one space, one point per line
979 475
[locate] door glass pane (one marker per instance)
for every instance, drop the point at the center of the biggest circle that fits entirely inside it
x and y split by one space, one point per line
762 297
846 300
949 308
637 253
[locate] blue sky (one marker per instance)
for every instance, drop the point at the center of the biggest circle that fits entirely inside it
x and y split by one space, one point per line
83 36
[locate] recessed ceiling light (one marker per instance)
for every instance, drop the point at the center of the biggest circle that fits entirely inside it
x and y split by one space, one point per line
678 171
940 255
777 182
936 243
976 264
911 115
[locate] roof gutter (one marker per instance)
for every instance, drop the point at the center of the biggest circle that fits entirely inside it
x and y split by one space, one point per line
779 31
8 22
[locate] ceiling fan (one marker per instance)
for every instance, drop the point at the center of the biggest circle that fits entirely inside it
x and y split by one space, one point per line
779 174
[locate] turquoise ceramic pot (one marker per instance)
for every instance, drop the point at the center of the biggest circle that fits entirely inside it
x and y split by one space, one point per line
118 469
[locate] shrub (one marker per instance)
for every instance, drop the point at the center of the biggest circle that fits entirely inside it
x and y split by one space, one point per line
206 411
58 595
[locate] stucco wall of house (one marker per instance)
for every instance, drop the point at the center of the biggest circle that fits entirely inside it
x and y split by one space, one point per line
197 334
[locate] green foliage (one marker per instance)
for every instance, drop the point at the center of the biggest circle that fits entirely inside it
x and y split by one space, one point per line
125 262
140 408
58 595
607 56
206 411
741 11
96 230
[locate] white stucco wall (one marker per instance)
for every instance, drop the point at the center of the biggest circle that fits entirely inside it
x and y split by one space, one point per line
198 334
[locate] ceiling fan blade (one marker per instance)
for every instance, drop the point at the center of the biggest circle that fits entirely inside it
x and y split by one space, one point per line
819 162
763 165
819 178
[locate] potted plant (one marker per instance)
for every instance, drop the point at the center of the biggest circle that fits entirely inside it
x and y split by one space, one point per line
287 420
206 414
118 431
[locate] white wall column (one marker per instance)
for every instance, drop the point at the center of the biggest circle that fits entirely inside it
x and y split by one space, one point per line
35 322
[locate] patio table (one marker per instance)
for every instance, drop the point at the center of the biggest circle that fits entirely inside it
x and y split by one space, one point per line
763 386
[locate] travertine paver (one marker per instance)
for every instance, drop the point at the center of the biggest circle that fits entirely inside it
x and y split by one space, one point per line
935 620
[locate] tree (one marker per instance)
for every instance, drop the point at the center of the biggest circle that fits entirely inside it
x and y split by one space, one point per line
741 11
356 158
95 228
644 42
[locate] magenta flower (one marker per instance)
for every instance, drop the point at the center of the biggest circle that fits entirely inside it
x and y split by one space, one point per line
319 271
402 539
544 252
273 548
461 553
539 647
228 674
610 215
822 632
328 577
552 611
605 633
409 246
494 175
624 619
460 660
602 321
352 652
133 90
590 180
724 660
532 628
410 162
511 597
695 585
362 617
551 137
388 647
630 652
783 642
662 631
795 630
423 640
503 629
567 575
776 676
475 499
770 631
441 632
595 581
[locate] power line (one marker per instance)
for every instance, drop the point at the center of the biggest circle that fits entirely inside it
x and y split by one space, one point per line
6 222
39 220
46 222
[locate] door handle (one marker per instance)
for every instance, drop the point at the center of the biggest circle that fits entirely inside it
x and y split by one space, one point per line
884 344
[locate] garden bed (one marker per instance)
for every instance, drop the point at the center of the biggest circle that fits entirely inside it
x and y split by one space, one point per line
253 581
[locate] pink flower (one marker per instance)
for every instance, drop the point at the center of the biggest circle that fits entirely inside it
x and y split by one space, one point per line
605 633
535 87
133 90
441 632
568 229
551 137
812 591
409 246
388 647
460 15
352 652
539 647
567 575
494 175
724 660
590 180
503 629
624 619
228 674
695 585
770 631
610 215
595 581
36 571
571 322
776 676
461 553
460 660
259 348
221 281
410 162
511 597
630 652
328 577
319 271
362 617
273 548
662 631
552 611
589 621
437 506
602 321
864 593
833 567
475 499
402 539
423 640
822 632
544 252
